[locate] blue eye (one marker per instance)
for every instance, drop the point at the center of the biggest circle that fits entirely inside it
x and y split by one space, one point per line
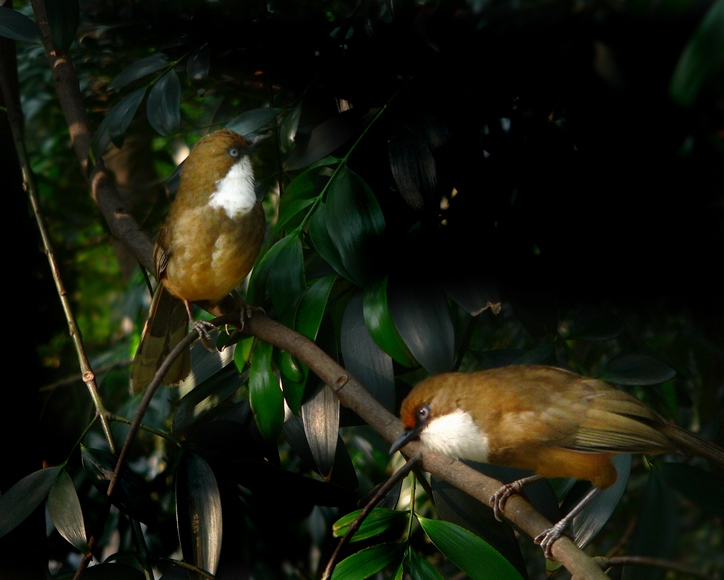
234 151
423 413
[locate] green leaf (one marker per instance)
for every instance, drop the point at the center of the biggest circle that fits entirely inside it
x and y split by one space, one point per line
198 512
320 414
367 562
265 396
17 26
63 16
113 127
637 369
701 58
378 521
286 277
311 308
288 213
197 67
356 225
288 129
140 69
65 512
163 107
421 569
323 242
21 499
250 121
468 552
379 322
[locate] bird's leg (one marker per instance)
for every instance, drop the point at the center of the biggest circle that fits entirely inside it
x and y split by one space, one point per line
202 327
498 499
547 538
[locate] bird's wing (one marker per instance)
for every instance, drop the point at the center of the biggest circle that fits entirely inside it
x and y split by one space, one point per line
161 253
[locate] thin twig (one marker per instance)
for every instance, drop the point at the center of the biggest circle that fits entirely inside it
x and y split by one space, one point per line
653 563
384 489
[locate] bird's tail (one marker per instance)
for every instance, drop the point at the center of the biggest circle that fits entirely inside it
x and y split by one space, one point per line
691 444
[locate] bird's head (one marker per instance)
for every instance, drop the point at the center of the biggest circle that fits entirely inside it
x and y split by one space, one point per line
439 412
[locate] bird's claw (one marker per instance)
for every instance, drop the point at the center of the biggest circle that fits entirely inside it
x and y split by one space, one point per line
203 328
498 499
546 539
246 311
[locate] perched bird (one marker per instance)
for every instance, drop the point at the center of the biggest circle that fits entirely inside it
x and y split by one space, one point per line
542 418
207 246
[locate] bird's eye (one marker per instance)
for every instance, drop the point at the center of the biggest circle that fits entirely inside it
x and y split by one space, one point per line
423 413
234 151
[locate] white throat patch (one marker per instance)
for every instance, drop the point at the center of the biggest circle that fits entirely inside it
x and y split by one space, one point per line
234 193
456 435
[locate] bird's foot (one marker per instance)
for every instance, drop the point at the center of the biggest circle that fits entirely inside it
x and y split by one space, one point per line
246 311
498 499
546 539
204 328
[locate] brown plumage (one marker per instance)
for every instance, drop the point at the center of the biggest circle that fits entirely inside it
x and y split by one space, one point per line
207 246
546 419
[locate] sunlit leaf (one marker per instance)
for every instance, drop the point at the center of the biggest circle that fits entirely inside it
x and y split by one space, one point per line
17 26
288 129
320 414
139 69
367 562
198 512
379 323
65 512
378 521
265 396
163 107
468 552
18 502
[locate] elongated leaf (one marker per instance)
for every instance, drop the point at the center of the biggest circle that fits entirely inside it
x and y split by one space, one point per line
288 130
17 26
63 16
320 414
286 277
422 317
421 569
311 308
356 225
265 396
113 127
323 140
287 216
130 494
637 369
378 521
367 362
163 107
112 571
323 242
250 121
139 69
468 552
197 67
379 322
367 562
65 512
702 57
198 512
21 499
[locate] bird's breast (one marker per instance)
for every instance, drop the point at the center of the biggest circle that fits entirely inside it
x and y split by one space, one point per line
456 435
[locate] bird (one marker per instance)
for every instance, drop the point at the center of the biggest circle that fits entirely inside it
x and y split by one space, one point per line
206 247
541 418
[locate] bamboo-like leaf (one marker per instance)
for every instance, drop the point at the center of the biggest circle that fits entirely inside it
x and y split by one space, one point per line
63 16
637 369
378 521
323 243
265 396
379 322
113 127
367 562
286 277
139 69
163 107
421 569
65 512
198 512
18 502
288 130
17 26
250 121
468 552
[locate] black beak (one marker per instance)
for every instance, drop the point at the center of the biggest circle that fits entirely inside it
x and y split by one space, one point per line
404 439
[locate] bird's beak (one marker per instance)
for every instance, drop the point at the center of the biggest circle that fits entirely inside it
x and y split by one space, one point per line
404 439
